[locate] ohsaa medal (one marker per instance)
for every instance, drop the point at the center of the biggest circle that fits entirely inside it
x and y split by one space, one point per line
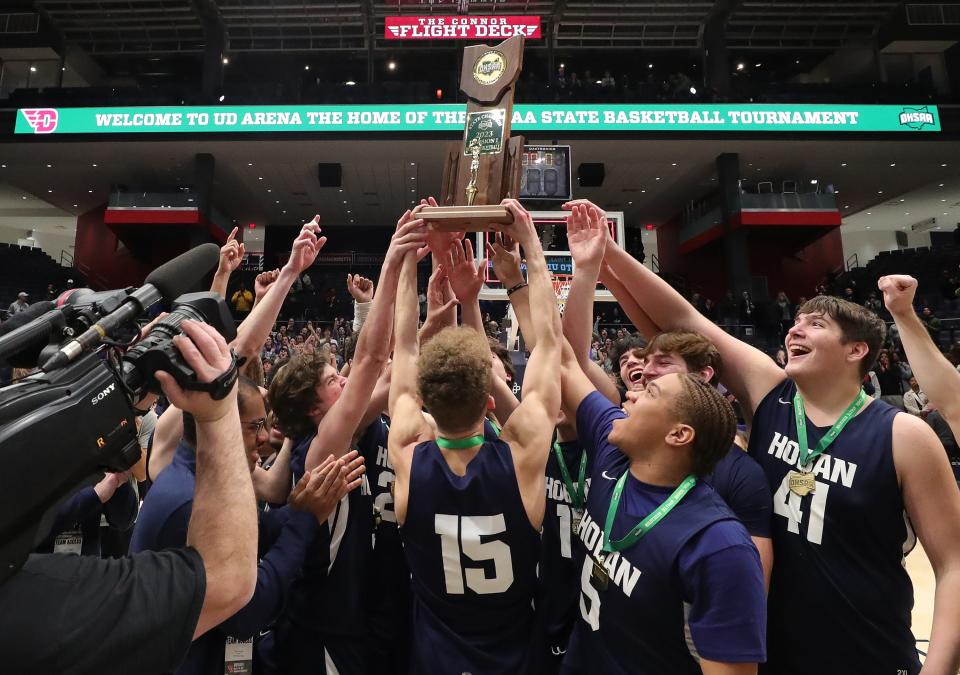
575 521
802 483
599 577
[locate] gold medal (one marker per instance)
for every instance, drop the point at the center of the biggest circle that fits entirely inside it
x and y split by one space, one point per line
802 483
599 577
575 521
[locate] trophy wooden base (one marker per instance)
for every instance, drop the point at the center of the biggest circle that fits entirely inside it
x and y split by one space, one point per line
465 218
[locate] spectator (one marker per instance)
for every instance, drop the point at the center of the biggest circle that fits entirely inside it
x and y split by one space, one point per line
915 401
242 300
932 323
784 314
889 379
710 309
873 303
746 309
943 432
51 292
19 304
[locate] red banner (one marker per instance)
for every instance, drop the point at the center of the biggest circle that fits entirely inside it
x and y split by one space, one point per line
460 27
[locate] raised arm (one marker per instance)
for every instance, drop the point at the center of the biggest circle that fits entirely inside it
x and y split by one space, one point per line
361 290
531 426
466 280
407 423
231 255
646 327
505 255
341 424
587 237
255 329
938 379
748 373
273 486
440 300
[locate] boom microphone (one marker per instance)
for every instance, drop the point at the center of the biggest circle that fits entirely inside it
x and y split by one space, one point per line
167 282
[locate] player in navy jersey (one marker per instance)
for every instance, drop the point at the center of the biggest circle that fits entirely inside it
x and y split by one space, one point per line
325 624
470 509
852 480
738 479
670 581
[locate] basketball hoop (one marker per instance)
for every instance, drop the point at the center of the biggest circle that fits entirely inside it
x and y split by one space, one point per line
561 287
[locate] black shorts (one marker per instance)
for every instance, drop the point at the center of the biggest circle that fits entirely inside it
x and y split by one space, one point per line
77 614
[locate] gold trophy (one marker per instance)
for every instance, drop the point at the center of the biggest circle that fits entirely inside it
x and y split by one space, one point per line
484 168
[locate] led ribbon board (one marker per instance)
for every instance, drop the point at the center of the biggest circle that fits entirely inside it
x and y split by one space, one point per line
426 118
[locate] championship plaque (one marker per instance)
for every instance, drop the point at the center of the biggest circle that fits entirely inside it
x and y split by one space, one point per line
484 168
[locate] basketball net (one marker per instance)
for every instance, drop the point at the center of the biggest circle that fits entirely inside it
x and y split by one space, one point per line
561 287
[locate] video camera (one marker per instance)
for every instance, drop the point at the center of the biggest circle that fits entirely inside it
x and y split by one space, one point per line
76 418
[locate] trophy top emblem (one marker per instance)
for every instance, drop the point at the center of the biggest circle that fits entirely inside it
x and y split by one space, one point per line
490 67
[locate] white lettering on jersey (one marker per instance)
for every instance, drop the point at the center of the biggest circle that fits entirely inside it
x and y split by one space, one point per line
831 469
621 571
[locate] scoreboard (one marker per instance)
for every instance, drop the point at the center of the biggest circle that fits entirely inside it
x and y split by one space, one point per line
545 172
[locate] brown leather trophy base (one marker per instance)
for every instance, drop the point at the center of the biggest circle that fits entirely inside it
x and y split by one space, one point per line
465 218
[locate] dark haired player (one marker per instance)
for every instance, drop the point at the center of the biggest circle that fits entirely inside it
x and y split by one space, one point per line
469 508
852 481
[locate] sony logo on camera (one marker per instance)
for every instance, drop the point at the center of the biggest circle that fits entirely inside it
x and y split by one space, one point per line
103 394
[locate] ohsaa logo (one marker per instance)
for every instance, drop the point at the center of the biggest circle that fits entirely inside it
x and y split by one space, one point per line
42 120
916 118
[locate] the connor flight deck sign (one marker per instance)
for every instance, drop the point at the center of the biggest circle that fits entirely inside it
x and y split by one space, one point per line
460 27
752 118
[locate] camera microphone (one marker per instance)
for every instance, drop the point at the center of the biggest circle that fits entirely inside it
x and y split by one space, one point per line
166 283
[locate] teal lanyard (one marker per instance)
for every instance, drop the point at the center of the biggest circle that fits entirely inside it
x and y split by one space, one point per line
460 443
806 455
648 523
576 492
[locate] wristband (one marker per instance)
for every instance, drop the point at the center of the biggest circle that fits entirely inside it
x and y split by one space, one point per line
514 289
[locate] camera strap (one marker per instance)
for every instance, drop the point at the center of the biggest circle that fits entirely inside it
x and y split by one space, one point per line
221 386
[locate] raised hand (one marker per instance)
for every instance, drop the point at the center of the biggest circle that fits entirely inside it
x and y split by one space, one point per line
898 293
465 277
263 282
206 352
440 295
505 256
360 288
231 253
521 229
586 235
306 247
411 235
438 242
571 205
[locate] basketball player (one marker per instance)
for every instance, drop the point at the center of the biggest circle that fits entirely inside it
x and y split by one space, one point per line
469 508
669 579
325 623
852 480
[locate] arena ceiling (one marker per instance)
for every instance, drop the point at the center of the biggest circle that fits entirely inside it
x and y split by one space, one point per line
157 27
651 181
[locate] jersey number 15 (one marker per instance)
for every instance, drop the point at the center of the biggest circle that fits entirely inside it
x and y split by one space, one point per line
460 537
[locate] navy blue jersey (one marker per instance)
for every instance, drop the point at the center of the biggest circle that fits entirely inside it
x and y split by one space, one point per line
389 613
560 588
838 551
742 484
692 587
328 604
473 557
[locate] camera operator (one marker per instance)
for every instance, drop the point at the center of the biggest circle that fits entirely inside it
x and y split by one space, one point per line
139 614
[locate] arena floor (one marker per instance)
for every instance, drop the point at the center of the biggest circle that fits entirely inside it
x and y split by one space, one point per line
918 566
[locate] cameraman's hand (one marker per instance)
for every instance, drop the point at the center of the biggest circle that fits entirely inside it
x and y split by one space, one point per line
360 288
206 352
111 482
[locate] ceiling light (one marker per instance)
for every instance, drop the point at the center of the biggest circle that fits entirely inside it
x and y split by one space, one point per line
413 163
269 190
225 60
903 200
278 201
23 198
847 206
943 200
90 192
649 65
259 177
3 166
740 66
757 65
944 165
221 98
944 213
306 67
813 181
284 211
869 214
629 203
868 227
75 206
658 177
391 65
907 213
33 69
340 190
49 166
879 192
941 185
349 83
349 211
49 191
344 201
893 164
843 163
673 164
413 178
642 190
798 62
94 165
